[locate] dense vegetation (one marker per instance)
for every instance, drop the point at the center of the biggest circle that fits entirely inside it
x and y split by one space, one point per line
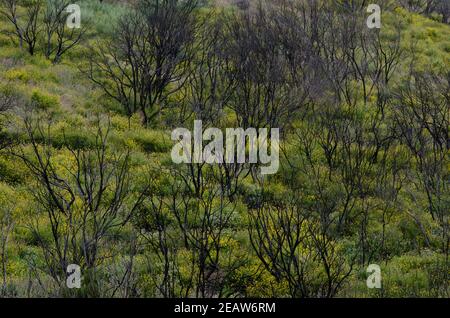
86 175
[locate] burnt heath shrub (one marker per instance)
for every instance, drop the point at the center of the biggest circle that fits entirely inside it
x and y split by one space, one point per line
151 141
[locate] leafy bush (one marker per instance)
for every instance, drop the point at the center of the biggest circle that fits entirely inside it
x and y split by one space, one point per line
44 101
151 141
18 74
422 275
10 171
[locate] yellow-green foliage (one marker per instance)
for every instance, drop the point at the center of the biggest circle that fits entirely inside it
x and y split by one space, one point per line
73 104
415 276
17 74
429 38
150 140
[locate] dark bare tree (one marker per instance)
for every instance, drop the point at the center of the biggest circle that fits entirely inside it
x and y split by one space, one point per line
82 202
8 100
421 113
209 86
266 95
205 222
294 248
177 219
147 58
428 7
7 222
157 229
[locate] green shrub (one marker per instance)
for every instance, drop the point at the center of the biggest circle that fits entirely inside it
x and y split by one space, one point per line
44 101
17 74
151 141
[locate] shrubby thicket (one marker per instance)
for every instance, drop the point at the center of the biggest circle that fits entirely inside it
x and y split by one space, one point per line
86 175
